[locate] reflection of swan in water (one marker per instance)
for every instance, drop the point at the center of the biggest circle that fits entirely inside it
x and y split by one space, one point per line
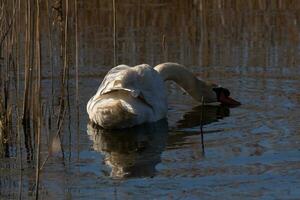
135 152
132 152
209 114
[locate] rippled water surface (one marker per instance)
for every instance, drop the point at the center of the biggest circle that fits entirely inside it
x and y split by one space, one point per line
248 152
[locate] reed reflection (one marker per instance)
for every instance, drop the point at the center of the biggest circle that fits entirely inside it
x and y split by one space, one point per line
135 152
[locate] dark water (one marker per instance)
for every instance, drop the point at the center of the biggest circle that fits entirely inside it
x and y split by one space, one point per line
250 152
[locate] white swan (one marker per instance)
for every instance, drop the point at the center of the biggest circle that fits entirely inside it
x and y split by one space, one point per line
129 96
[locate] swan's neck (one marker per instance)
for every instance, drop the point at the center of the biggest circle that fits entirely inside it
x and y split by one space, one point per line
197 88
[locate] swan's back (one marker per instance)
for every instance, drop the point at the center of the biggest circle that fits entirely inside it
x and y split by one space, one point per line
138 90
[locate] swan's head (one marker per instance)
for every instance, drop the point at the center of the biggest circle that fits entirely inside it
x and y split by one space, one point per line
223 96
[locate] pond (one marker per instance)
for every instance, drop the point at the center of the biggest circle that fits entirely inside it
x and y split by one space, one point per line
247 152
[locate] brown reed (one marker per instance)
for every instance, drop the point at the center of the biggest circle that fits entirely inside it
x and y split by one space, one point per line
77 73
115 32
50 41
65 71
38 106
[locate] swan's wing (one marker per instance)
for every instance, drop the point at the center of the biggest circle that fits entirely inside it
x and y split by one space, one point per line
141 80
113 79
108 83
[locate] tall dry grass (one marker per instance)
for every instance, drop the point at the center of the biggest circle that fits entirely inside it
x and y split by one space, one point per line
22 107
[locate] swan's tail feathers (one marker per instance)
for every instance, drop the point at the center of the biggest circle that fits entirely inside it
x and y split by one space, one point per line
112 115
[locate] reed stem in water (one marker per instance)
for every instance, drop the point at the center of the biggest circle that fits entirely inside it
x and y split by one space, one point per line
38 99
201 125
77 72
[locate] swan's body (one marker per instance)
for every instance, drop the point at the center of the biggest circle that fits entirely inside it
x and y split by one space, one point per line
129 96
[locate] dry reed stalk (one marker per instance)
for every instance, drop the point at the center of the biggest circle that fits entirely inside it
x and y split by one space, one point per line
68 78
27 97
19 136
26 110
15 55
2 129
5 33
164 48
32 71
115 32
8 42
77 74
17 31
65 65
38 98
50 54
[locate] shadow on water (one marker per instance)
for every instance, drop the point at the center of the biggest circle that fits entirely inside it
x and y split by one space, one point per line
134 152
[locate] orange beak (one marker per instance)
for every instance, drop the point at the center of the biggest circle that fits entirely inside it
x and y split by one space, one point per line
228 101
